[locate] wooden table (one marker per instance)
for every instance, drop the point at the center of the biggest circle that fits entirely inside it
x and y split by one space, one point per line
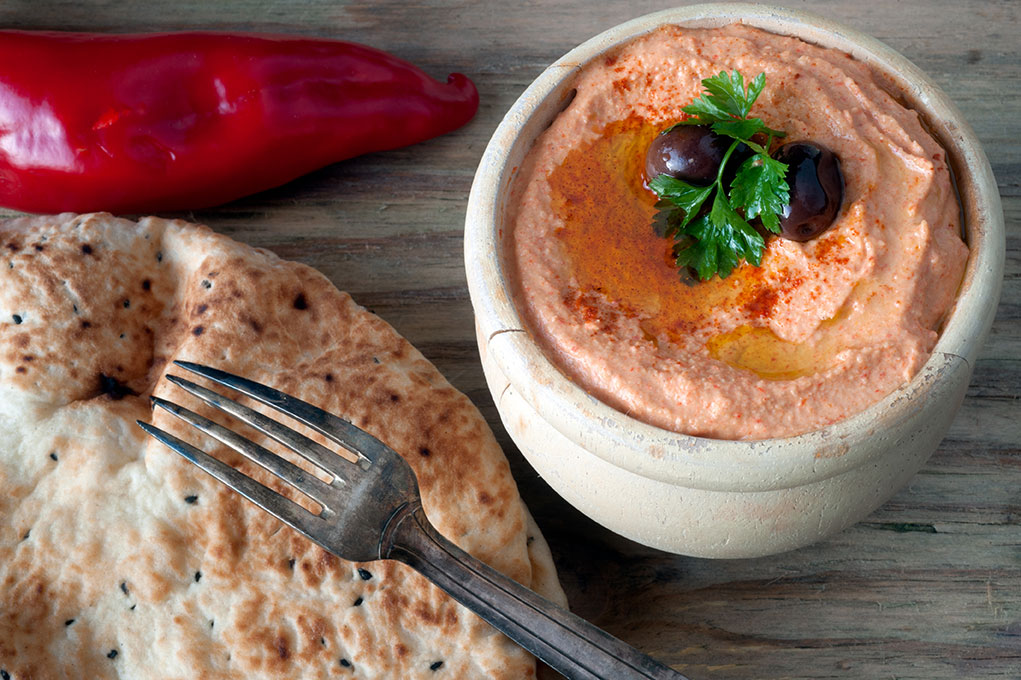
927 587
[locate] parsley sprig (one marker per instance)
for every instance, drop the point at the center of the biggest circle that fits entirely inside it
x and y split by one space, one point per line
715 241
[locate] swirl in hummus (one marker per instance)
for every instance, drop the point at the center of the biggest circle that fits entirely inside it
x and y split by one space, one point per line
820 331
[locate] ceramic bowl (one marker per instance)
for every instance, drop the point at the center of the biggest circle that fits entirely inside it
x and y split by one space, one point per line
706 497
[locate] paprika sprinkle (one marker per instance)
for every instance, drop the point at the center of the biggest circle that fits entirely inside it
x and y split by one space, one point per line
175 121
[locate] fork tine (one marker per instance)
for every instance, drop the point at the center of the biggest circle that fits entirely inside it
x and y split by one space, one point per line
308 484
310 450
346 434
282 508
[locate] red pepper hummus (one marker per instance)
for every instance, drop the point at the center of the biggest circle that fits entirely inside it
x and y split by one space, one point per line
820 331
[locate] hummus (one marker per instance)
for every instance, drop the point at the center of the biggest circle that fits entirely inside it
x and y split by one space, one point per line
820 331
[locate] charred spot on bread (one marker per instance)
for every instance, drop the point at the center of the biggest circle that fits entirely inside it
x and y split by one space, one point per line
300 302
113 388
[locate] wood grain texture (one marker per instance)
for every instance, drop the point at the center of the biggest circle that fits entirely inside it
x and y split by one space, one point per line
928 587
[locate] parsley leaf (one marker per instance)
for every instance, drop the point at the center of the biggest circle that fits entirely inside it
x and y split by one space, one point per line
720 239
760 188
714 241
678 194
729 92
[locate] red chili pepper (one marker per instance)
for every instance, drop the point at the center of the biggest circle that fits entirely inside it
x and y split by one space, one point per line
144 123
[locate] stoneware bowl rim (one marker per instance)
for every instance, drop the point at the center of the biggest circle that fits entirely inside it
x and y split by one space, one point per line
712 464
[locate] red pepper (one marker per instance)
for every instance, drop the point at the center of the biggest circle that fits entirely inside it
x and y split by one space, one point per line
145 123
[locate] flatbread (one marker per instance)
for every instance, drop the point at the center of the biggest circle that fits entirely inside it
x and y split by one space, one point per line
118 559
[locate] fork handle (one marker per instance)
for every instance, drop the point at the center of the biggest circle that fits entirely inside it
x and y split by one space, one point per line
566 642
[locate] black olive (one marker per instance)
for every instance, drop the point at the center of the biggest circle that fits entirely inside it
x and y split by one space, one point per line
688 152
817 190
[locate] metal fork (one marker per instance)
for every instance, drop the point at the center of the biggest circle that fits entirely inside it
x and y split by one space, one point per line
371 510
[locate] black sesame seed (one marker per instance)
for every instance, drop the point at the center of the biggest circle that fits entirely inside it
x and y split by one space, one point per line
300 302
126 303
198 576
358 602
112 654
211 622
5 675
365 574
53 455
75 308
146 284
68 622
27 534
132 607
435 665
124 587
17 318
343 662
206 284
375 360
322 641
190 500
290 563
159 256
86 248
